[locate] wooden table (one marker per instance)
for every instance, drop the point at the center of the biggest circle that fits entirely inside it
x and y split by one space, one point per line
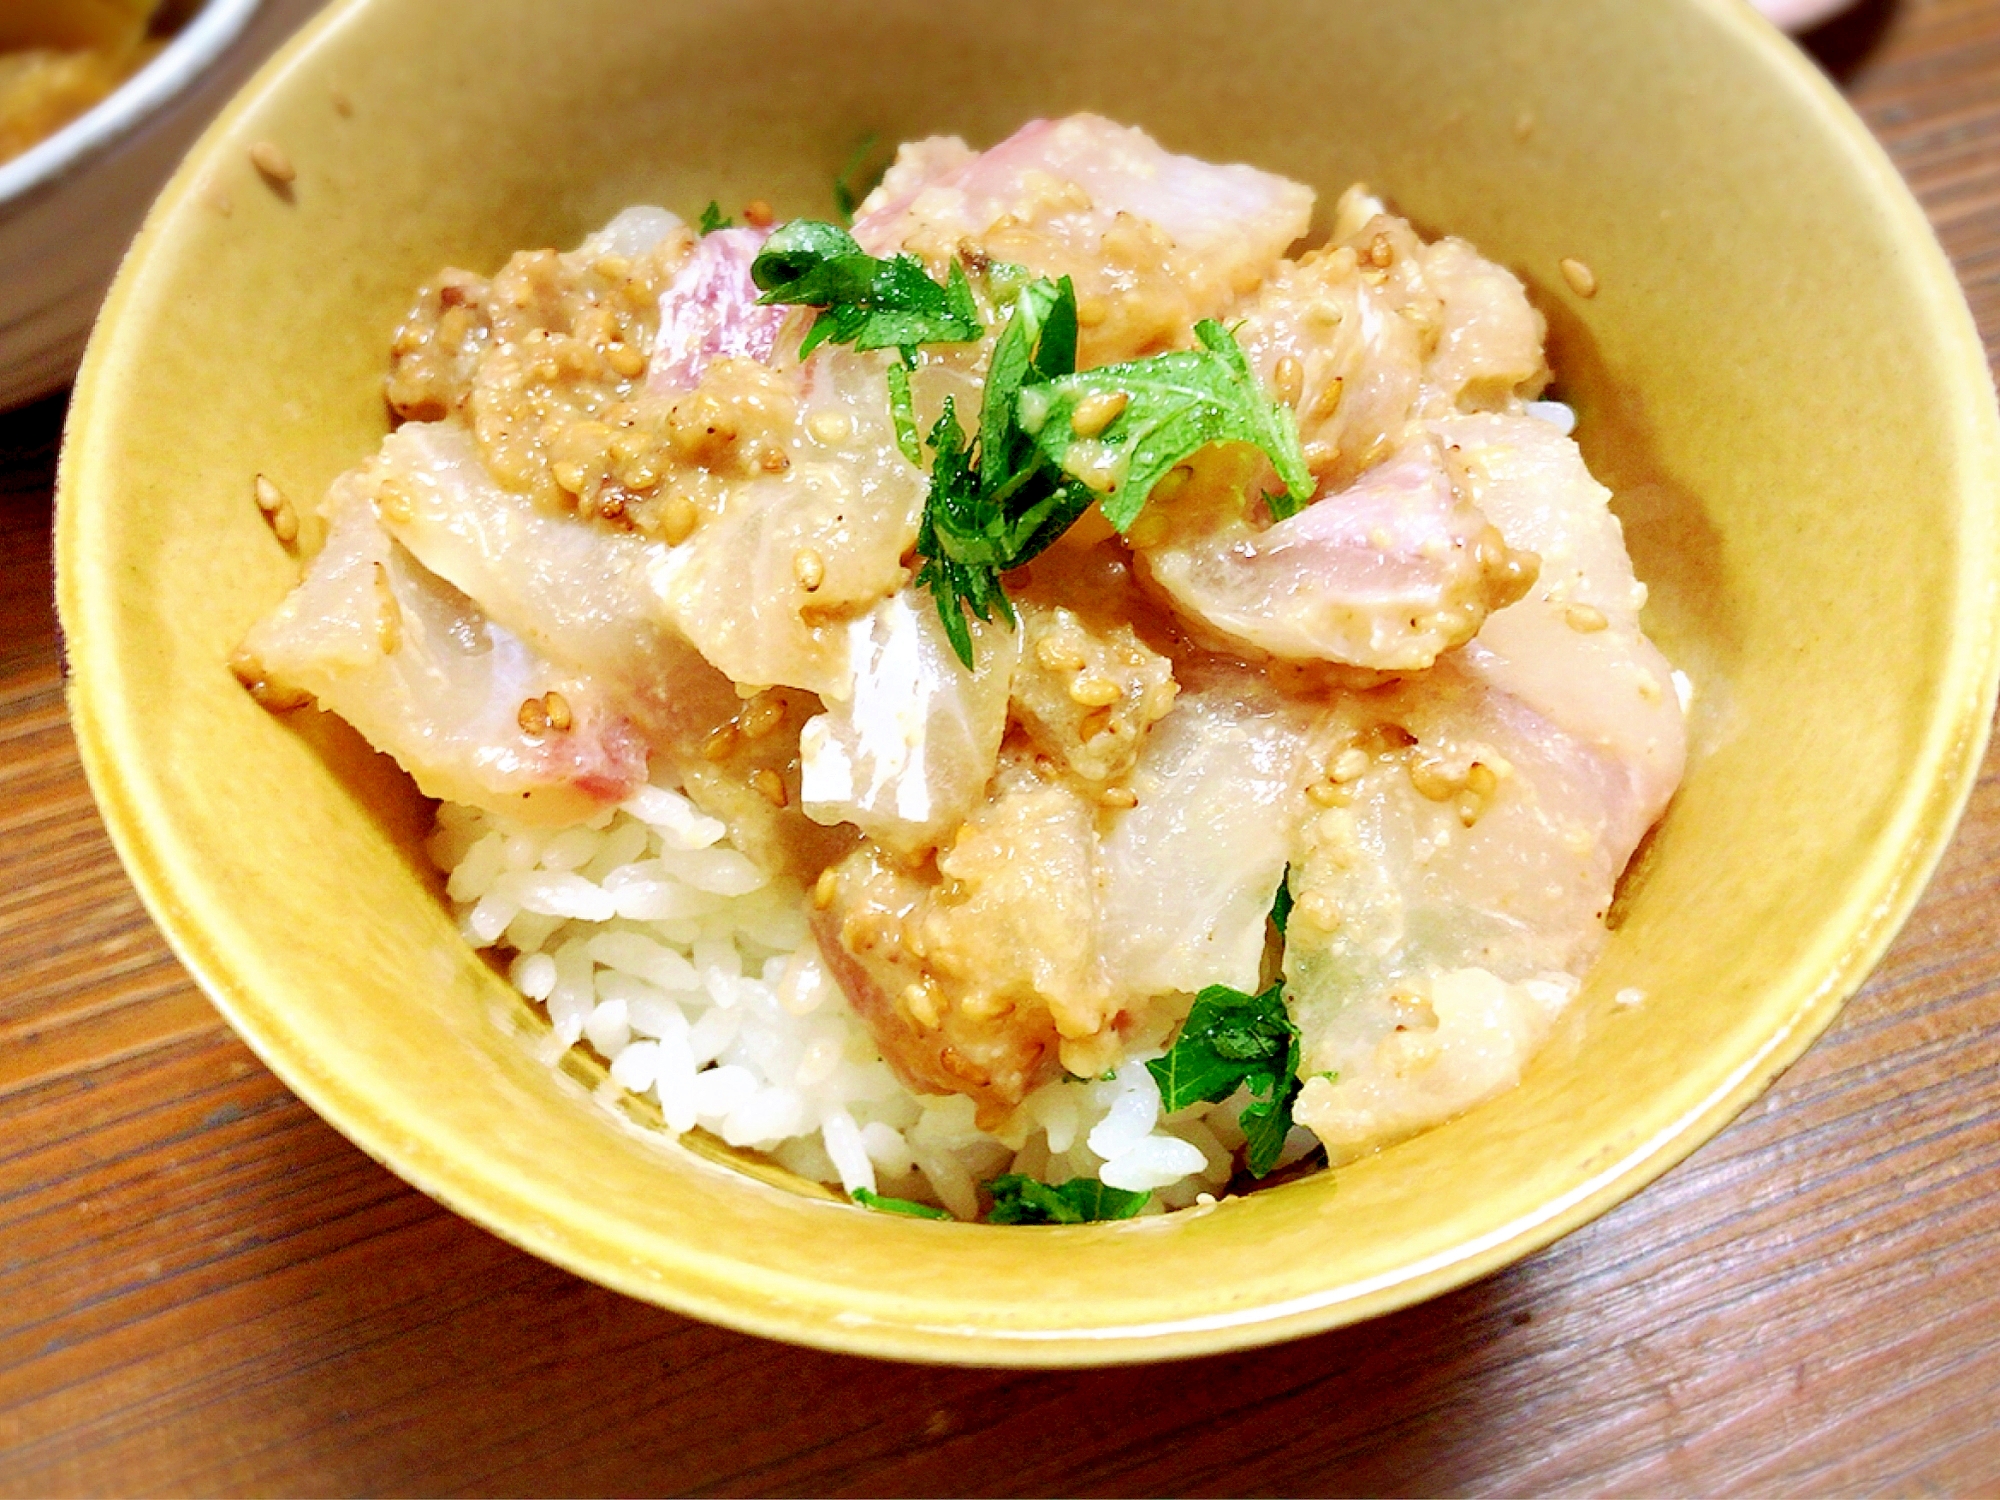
204 1289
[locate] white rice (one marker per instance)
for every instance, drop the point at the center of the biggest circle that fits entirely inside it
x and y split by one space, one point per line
648 937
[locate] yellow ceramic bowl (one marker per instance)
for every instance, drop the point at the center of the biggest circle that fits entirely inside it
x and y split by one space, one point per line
1778 374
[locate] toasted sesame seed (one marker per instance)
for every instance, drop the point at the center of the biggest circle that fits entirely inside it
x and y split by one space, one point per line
392 504
285 523
1289 379
1319 909
1582 280
1326 794
1479 779
768 785
678 519
1091 311
825 889
1585 619
269 496
1350 765
1095 692
830 427
389 616
1434 779
1327 402
760 716
721 743
1470 805
1118 796
250 672
921 1002
1058 655
809 568
758 215
1097 411
626 361
533 717
269 158
556 708
1381 252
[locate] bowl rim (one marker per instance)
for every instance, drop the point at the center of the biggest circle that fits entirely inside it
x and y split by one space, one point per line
196 45
1905 853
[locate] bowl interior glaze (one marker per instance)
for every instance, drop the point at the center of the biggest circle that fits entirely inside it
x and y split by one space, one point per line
1778 375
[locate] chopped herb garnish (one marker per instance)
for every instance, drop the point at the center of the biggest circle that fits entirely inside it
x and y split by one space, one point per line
880 1204
863 300
1019 1199
1281 905
997 507
1122 428
1231 1040
1051 440
903 412
848 189
1034 471
712 219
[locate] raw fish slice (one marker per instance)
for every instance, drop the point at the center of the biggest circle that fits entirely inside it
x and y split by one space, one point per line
578 593
709 311
1153 241
1448 909
1440 929
1330 341
1188 875
1572 649
412 664
1387 574
910 752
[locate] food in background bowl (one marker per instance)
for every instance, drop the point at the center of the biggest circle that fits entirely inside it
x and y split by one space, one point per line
1041 690
59 57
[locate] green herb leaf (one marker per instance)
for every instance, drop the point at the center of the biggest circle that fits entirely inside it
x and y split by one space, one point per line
987 516
864 301
848 187
903 412
880 1204
1229 1041
1018 1199
1173 406
1281 905
712 219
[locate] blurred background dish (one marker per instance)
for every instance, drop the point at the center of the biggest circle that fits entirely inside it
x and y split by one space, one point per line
98 99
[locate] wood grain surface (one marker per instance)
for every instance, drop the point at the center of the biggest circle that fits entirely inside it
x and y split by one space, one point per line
205 1290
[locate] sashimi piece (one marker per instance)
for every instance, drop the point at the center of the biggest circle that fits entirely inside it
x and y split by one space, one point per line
978 977
1327 339
1445 907
1188 874
1388 573
578 593
467 708
1153 241
1449 904
1572 649
709 311
909 753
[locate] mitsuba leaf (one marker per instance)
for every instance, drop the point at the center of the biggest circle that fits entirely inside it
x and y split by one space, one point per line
1018 1199
863 300
997 507
1233 1041
870 1199
712 219
1168 408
